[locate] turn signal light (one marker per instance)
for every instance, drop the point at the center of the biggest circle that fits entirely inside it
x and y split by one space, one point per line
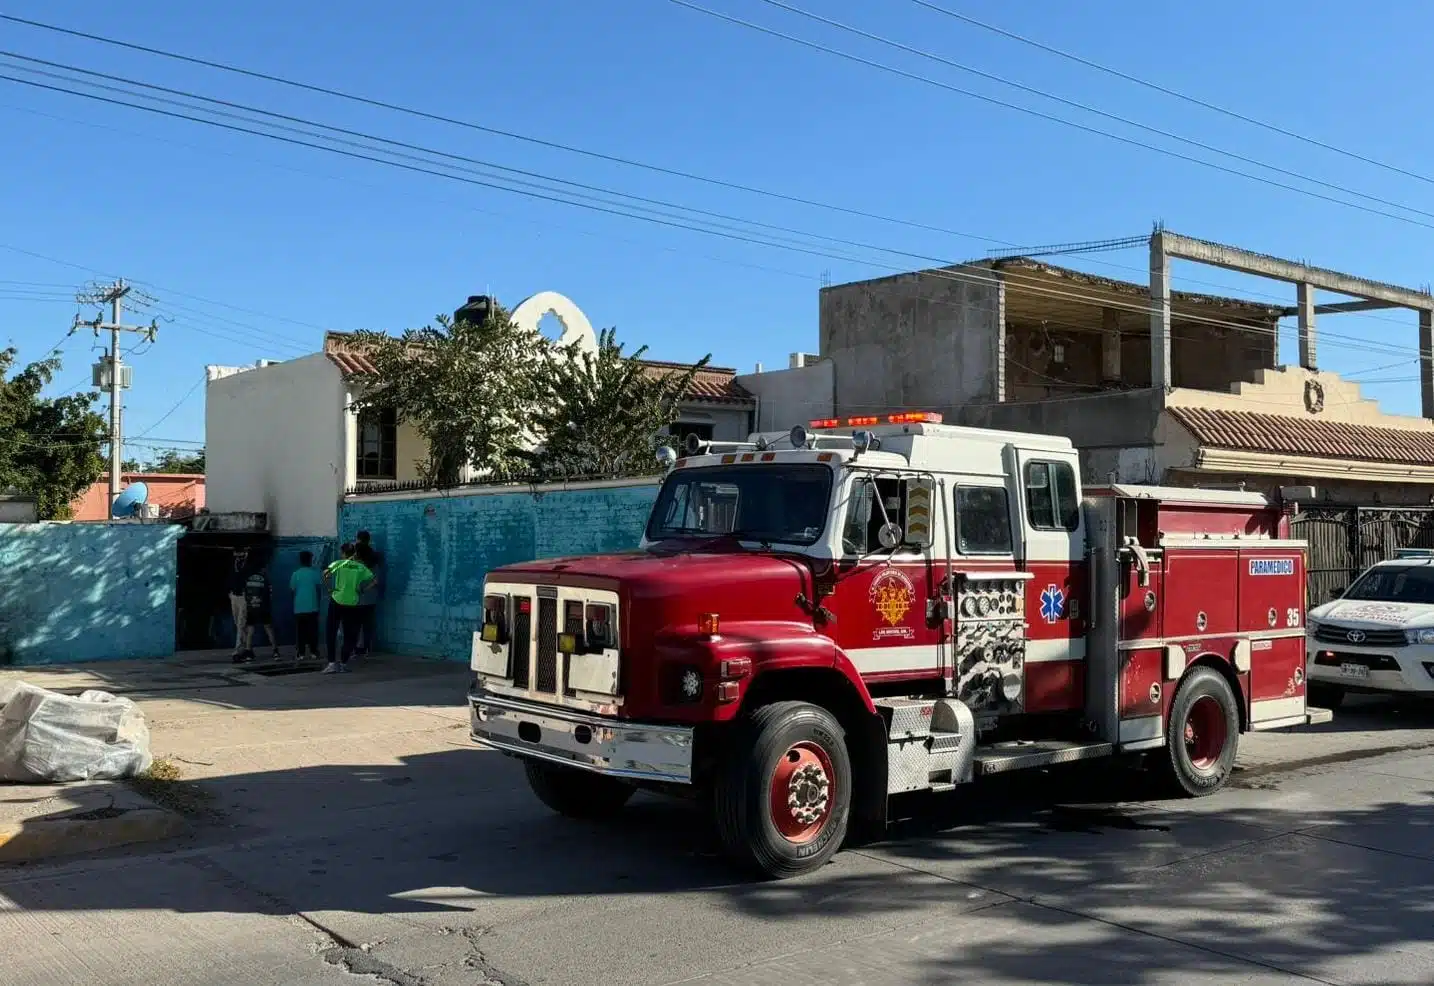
708 623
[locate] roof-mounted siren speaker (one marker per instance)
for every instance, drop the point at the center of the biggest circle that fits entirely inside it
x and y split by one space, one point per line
476 311
131 501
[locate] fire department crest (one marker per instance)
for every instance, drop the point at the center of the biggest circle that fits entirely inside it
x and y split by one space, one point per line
891 594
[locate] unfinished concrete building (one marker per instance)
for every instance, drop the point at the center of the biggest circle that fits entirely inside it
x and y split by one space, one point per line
1153 385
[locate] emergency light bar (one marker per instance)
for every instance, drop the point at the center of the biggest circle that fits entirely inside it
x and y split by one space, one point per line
867 420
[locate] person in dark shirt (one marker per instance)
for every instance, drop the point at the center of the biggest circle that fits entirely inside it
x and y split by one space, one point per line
259 611
368 599
236 583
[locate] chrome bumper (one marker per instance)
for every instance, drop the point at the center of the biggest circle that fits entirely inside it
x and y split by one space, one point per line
575 739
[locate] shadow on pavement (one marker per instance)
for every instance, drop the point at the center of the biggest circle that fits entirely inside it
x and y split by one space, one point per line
1294 880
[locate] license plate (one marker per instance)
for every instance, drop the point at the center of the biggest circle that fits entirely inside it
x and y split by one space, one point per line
1354 670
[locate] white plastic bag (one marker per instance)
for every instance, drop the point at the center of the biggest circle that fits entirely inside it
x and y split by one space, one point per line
49 737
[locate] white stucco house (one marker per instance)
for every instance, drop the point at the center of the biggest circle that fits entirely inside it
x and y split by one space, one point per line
281 438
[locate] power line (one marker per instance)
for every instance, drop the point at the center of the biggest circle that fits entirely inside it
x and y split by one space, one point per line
577 201
537 141
1157 87
177 405
1086 107
1049 117
569 201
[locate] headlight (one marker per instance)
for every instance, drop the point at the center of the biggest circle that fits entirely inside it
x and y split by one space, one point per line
1425 636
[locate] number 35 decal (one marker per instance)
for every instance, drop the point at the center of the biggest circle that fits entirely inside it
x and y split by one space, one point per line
1292 617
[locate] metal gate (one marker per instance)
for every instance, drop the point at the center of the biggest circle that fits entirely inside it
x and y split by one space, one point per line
1344 541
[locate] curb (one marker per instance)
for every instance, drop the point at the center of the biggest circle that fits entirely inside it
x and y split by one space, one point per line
41 839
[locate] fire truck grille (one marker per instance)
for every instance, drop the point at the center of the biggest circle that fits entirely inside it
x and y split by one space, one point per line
1330 634
522 633
547 646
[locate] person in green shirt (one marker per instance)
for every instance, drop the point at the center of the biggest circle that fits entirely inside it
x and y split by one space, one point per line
346 579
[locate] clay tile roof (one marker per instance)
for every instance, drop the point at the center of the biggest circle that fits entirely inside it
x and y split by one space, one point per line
1248 431
712 384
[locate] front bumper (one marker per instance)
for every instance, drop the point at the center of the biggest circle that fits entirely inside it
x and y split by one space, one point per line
617 748
1387 669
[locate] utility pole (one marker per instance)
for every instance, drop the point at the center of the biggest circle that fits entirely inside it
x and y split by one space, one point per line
109 373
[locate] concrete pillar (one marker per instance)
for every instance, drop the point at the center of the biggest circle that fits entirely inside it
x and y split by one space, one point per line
1306 305
1110 345
1159 313
1426 361
999 377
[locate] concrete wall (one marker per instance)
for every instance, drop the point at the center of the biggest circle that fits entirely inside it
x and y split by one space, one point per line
437 549
276 441
729 424
86 592
930 341
794 396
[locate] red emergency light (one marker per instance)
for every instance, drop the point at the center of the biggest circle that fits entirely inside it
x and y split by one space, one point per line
867 420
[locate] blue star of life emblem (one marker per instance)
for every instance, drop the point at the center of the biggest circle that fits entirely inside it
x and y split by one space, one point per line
1053 604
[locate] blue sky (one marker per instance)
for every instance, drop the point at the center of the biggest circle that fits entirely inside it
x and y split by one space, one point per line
293 240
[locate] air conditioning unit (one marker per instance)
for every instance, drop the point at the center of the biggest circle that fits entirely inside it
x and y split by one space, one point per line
800 360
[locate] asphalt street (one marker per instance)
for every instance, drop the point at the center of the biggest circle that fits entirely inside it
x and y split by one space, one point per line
414 859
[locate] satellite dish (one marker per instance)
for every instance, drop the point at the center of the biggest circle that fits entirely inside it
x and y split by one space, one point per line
129 502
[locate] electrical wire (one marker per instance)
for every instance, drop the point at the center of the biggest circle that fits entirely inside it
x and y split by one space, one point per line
1086 107
177 405
1049 117
1165 90
966 275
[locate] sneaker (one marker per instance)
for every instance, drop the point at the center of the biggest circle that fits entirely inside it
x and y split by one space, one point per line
243 657
330 668
343 669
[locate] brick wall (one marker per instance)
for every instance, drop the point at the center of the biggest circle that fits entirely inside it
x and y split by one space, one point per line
437 550
86 592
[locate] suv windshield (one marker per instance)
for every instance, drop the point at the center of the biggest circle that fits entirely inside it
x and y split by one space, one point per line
1391 584
786 503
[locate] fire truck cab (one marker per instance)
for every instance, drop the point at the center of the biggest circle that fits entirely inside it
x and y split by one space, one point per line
818 621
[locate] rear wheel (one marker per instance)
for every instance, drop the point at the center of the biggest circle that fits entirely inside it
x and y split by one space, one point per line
1323 695
576 793
783 798
1202 736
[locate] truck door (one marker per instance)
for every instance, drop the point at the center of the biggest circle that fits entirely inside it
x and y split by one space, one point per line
882 594
1052 549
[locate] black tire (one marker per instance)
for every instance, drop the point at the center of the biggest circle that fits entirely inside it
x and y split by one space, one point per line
1206 703
742 795
1323 695
576 793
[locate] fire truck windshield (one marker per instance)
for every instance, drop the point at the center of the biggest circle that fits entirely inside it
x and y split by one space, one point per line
1395 584
767 503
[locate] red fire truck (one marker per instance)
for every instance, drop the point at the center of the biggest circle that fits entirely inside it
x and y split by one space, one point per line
816 622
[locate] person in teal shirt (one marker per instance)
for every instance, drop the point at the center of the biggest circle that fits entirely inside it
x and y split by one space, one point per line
346 578
306 585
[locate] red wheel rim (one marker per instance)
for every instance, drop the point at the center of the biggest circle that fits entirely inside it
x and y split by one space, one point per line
803 792
1205 733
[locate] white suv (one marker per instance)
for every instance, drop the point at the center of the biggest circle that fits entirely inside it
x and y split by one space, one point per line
1378 636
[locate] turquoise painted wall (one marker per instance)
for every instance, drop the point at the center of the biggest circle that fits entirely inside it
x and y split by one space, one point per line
437 549
86 592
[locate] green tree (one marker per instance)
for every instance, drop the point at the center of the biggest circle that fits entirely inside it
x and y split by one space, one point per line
606 410
50 448
468 388
173 461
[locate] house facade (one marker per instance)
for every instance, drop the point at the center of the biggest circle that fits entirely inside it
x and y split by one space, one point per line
283 439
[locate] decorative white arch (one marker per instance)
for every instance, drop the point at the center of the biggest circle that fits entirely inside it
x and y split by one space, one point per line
576 327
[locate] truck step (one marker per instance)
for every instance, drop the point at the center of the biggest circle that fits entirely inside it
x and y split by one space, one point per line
999 758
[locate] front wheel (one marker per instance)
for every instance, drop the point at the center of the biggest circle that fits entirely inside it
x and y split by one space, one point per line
783 797
576 793
1202 735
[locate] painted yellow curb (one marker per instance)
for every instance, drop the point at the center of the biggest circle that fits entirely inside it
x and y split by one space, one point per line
39 839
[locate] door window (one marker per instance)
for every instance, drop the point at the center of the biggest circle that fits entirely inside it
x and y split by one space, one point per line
861 531
983 520
1051 502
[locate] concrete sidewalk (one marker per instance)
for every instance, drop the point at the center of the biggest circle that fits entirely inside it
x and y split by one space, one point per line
213 724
